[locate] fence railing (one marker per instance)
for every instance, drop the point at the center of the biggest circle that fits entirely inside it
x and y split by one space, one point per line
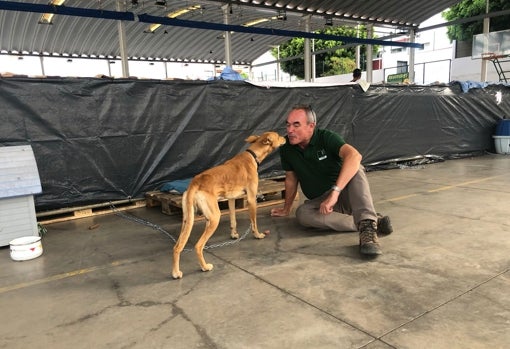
425 73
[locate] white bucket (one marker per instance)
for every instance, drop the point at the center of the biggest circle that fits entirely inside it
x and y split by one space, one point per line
25 248
502 144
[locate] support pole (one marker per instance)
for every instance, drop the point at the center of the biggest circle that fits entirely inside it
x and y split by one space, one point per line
358 50
277 64
307 53
41 59
228 47
486 30
412 38
314 65
122 42
370 31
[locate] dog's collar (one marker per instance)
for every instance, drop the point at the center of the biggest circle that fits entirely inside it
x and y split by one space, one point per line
254 156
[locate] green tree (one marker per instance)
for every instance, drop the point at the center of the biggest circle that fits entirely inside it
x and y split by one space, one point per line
470 8
334 62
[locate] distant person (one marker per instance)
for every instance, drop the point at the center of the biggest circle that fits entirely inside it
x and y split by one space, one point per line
356 75
332 179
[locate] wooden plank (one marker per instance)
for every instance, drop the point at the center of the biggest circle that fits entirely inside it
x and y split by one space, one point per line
66 214
171 204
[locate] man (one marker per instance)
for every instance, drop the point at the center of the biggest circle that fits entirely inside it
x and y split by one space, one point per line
356 75
332 178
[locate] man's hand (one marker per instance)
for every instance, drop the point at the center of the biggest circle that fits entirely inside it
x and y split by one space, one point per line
327 205
279 212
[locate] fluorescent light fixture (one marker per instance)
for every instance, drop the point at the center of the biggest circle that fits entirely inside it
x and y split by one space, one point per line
182 11
153 28
174 14
47 18
258 21
282 15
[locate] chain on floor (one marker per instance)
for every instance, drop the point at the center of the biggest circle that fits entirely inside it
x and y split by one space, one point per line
161 230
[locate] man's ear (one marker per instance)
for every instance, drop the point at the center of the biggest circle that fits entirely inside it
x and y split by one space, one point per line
251 139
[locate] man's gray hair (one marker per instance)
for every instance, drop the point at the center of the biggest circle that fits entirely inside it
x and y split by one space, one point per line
310 113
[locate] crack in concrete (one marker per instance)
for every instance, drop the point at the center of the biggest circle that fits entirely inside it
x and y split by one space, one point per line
202 332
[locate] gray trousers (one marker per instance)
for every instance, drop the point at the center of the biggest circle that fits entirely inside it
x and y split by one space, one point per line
354 204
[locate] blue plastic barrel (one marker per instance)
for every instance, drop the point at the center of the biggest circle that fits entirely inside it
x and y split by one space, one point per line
502 137
503 128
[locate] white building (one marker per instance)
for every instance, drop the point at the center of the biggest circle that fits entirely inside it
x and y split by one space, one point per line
435 63
432 63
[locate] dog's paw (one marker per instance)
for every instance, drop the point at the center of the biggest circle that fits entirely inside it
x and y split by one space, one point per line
207 267
234 235
177 274
259 235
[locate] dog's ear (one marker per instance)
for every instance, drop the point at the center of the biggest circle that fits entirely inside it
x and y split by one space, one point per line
251 139
267 141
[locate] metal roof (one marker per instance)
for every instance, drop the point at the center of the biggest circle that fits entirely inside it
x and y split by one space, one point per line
82 35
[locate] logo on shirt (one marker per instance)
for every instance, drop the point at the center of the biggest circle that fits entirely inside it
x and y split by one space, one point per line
321 154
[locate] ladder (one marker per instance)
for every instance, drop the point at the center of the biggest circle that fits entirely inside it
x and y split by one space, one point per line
497 60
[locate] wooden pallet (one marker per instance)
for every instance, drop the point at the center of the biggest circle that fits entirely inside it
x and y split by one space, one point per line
270 192
70 213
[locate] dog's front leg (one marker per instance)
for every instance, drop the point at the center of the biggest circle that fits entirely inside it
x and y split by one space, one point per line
233 223
252 209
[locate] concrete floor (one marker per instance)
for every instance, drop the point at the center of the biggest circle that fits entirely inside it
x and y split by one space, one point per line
442 282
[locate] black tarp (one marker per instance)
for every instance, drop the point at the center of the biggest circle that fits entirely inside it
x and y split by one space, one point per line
97 140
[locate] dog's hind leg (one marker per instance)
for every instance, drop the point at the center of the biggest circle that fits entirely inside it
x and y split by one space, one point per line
233 223
188 214
211 210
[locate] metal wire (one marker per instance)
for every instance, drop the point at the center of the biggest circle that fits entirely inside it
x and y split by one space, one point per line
161 230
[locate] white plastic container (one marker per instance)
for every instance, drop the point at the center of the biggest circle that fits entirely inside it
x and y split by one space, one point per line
25 248
502 144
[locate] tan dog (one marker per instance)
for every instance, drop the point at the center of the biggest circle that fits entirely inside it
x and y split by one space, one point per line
232 179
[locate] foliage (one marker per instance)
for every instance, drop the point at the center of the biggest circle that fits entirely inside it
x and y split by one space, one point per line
470 8
337 61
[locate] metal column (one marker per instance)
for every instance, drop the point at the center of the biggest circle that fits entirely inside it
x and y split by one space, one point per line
412 38
228 48
307 53
122 42
486 30
370 31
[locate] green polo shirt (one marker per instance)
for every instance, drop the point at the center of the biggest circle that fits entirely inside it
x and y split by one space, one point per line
316 167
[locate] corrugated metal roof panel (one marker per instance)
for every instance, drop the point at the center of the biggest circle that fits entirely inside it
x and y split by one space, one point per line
81 36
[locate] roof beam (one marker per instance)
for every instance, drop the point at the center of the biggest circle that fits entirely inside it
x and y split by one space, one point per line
268 31
129 16
66 10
